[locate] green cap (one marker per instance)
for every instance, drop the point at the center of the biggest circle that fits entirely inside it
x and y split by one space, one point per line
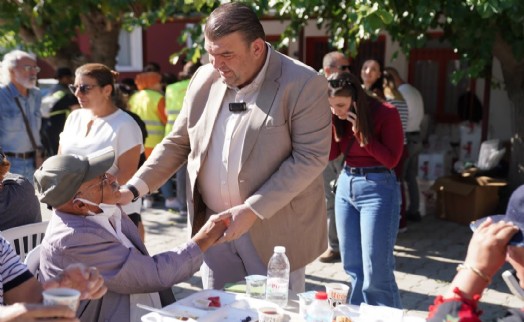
59 178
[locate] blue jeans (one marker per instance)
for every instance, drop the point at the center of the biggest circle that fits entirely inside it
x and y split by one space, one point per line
24 167
367 216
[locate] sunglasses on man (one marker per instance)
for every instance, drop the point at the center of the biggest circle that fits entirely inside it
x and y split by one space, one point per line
343 67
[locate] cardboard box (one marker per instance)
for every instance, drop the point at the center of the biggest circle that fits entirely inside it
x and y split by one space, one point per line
465 199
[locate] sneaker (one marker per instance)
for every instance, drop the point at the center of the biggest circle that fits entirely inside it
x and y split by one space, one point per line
329 256
402 230
413 216
172 203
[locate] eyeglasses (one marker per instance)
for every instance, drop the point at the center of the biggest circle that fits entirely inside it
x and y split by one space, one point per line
84 88
103 179
343 67
29 68
339 83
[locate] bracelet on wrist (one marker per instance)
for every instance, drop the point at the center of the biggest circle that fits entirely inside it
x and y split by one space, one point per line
475 270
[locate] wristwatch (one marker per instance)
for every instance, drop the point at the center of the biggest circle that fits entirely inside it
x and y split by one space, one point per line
134 191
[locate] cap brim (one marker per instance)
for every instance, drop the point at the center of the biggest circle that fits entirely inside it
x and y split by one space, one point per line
99 163
516 240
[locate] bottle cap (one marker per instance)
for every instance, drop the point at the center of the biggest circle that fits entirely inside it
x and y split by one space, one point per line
321 296
279 249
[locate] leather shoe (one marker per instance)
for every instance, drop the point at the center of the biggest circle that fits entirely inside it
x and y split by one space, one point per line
329 256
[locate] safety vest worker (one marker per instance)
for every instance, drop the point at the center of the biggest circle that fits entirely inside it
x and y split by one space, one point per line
175 94
150 106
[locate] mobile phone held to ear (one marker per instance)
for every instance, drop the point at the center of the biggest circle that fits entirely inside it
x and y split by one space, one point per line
352 109
511 279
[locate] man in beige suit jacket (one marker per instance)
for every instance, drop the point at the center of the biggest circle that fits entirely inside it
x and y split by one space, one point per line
256 163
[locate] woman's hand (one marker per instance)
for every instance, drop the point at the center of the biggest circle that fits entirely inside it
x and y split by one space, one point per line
352 118
487 248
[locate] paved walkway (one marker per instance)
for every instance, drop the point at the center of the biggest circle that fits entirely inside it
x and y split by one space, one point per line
426 259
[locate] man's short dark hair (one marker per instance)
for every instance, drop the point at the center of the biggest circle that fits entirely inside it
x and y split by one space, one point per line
232 17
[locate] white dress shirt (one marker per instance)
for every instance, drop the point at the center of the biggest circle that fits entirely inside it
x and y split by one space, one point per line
218 179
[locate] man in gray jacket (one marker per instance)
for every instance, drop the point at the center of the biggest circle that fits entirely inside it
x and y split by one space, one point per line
88 227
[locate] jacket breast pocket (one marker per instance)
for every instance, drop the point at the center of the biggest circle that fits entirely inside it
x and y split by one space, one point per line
10 119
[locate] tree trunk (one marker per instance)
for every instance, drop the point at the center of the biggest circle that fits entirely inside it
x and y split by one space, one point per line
513 72
516 173
103 37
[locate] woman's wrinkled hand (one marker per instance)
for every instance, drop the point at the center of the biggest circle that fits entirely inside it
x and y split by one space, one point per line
488 247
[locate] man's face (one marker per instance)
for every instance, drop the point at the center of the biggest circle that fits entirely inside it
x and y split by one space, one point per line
341 65
235 60
102 189
24 73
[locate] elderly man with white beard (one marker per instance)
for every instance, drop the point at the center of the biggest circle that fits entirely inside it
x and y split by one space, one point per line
20 117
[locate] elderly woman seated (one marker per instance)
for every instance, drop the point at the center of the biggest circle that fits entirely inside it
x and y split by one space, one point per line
18 202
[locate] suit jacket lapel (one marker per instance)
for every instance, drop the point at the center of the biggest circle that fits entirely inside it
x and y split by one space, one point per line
265 99
210 114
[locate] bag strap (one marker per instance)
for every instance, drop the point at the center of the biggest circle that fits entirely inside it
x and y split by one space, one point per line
27 127
350 144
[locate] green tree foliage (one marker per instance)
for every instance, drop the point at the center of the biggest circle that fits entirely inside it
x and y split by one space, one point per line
50 28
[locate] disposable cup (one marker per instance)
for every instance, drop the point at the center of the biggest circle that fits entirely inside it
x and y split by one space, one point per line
256 286
305 299
337 293
269 314
62 296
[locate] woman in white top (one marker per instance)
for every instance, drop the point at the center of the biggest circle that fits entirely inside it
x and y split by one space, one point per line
100 123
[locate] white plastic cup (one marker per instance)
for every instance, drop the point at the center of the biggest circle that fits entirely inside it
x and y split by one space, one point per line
256 286
337 293
305 299
62 296
269 314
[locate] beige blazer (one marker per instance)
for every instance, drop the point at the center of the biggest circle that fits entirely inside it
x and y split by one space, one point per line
286 149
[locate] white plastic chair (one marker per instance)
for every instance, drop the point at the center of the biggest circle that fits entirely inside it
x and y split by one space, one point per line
32 260
25 238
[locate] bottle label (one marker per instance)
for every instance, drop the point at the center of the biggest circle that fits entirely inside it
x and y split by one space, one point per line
277 285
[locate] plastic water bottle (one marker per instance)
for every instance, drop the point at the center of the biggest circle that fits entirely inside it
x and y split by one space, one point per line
320 310
278 277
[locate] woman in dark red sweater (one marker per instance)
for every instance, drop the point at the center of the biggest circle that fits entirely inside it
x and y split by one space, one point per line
367 199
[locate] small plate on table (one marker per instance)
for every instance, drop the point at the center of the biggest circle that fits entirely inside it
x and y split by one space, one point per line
208 300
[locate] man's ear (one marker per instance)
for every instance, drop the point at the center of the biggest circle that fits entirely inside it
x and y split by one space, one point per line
78 204
257 46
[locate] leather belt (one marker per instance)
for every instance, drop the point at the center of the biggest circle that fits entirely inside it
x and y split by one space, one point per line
364 171
413 133
23 155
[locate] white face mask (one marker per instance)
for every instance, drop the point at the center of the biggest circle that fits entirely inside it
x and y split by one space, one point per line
108 210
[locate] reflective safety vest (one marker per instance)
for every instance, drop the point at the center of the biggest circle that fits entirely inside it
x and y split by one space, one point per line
49 101
175 94
145 104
